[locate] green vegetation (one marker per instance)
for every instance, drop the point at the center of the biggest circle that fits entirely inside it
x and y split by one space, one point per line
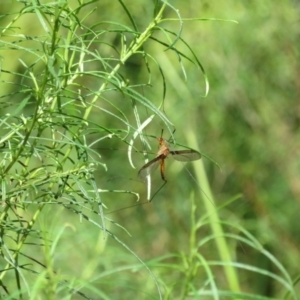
86 86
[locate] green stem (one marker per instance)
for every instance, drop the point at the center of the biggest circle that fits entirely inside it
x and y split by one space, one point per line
214 220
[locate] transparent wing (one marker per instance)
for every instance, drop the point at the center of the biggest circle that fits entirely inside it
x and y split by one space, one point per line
148 168
185 155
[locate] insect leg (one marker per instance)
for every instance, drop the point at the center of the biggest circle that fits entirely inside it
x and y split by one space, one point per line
165 182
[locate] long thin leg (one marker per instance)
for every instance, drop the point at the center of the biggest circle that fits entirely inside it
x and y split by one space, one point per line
171 139
165 182
162 173
130 206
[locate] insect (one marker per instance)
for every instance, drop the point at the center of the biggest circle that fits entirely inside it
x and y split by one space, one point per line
163 152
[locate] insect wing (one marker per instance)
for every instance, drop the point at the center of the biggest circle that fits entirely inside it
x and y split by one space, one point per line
186 155
148 168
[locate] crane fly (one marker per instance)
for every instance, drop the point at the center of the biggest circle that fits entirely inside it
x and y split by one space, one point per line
163 152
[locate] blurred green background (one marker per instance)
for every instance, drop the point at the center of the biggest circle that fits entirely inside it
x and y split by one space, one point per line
248 124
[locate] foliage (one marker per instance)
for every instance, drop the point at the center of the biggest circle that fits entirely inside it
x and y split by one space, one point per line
83 80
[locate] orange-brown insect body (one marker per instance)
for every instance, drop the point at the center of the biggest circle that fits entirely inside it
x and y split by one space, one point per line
164 150
162 154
